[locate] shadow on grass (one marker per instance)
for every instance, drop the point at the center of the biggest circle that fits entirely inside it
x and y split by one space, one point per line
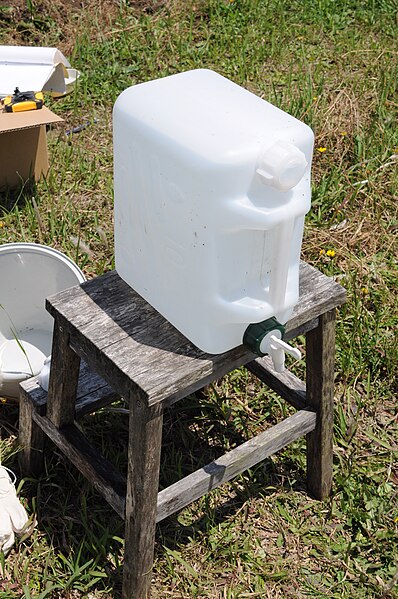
20 196
9 414
82 527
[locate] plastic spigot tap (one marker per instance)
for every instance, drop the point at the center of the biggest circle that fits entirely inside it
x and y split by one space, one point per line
266 338
273 345
277 349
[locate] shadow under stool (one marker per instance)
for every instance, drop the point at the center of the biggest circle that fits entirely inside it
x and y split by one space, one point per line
109 342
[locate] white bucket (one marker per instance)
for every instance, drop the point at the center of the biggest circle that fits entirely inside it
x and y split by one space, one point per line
29 273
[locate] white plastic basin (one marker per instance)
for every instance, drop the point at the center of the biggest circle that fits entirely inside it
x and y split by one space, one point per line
29 273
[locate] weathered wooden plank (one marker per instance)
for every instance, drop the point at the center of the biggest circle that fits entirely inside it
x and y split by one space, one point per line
286 384
108 298
129 373
320 392
31 438
98 398
193 381
145 437
64 377
87 459
92 392
107 310
231 464
300 330
318 294
110 322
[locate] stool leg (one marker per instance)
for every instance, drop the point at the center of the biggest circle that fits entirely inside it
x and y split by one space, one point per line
64 377
320 393
31 439
145 437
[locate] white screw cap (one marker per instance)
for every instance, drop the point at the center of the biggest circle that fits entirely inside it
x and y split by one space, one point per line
282 166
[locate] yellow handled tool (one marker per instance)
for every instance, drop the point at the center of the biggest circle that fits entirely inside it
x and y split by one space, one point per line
21 101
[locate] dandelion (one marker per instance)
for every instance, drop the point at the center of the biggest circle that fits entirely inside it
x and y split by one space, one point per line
321 150
321 252
331 253
364 290
1 224
343 133
315 98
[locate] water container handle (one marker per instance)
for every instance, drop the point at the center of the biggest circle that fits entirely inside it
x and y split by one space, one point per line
241 213
249 309
280 264
246 309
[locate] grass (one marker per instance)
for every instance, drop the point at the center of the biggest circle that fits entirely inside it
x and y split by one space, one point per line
333 65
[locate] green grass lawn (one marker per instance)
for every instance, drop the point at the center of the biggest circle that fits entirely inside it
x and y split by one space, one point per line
333 65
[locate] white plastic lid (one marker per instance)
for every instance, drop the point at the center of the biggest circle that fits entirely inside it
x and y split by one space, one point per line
282 166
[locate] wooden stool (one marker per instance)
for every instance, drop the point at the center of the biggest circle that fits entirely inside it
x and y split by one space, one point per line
130 350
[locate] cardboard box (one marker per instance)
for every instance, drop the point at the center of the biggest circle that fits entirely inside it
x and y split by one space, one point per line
23 145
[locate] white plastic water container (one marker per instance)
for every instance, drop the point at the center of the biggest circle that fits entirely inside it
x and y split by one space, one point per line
211 187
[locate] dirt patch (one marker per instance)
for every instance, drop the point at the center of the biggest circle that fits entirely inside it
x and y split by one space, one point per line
56 23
